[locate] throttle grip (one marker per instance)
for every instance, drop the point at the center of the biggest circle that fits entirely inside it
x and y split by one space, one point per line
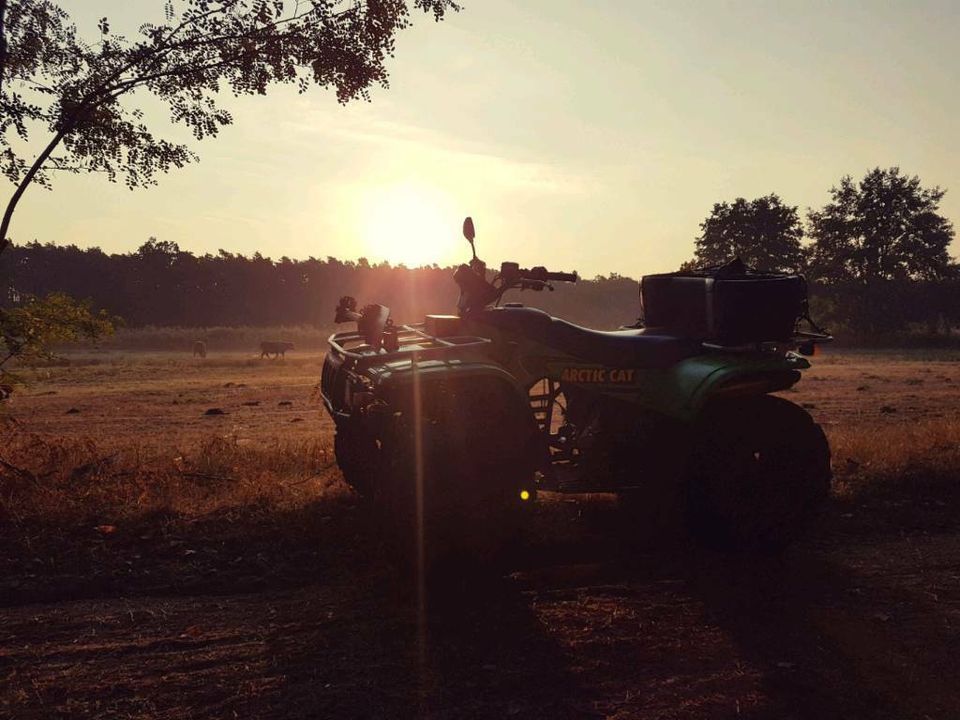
543 275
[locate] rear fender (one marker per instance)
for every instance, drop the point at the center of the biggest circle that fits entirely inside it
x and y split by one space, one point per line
700 380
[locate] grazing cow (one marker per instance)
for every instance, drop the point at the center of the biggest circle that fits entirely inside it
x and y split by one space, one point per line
275 348
199 348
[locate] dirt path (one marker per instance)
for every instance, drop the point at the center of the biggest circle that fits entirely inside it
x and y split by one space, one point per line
852 625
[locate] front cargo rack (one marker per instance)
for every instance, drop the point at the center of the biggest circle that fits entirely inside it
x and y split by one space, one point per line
413 344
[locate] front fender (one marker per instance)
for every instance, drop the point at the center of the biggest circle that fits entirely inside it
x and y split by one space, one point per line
475 402
397 382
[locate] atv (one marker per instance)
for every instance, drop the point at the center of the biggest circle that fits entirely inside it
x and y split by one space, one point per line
451 427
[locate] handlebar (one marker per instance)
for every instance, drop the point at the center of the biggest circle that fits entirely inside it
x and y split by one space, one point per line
563 276
512 271
476 292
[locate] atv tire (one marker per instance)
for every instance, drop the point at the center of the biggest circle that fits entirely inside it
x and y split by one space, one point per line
759 472
653 510
358 457
456 509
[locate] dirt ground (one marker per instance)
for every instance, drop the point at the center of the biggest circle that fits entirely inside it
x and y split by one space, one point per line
256 590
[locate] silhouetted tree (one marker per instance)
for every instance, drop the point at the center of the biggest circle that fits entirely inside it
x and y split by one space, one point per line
887 227
67 103
764 233
880 247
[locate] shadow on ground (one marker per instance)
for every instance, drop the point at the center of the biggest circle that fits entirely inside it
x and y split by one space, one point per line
269 614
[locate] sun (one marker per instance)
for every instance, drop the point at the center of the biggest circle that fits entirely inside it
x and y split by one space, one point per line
411 223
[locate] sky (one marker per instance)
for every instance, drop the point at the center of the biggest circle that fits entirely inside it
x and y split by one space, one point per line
593 136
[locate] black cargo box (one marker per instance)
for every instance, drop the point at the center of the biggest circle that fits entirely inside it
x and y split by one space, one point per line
729 305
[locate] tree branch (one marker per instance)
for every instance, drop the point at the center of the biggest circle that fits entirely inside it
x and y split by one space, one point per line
106 91
192 43
112 93
30 81
197 18
3 45
159 49
57 166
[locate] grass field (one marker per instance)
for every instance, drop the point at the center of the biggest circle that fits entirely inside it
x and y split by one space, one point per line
160 561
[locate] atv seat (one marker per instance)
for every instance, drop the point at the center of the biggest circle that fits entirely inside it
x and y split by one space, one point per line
622 348
618 348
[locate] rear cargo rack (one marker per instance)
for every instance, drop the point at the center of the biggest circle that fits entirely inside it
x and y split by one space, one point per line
414 343
795 339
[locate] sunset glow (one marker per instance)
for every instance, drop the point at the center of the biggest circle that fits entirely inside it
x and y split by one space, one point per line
595 136
410 223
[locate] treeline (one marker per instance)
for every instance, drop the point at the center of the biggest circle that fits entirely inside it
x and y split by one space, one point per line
889 312
161 285
876 257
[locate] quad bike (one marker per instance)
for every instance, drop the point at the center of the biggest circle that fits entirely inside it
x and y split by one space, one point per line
452 426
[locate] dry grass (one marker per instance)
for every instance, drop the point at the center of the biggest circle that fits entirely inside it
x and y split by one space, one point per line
156 561
68 482
116 440
892 418
101 451
868 454
112 435
218 339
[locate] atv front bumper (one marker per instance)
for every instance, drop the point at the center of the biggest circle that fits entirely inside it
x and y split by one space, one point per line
353 369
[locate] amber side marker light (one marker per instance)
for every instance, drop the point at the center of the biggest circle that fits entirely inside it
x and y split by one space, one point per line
524 495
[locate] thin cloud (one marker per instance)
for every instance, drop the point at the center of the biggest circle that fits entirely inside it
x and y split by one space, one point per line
399 142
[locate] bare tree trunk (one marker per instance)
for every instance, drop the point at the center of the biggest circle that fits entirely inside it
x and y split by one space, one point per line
3 72
22 186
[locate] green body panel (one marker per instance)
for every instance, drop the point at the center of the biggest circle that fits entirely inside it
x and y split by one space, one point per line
679 391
